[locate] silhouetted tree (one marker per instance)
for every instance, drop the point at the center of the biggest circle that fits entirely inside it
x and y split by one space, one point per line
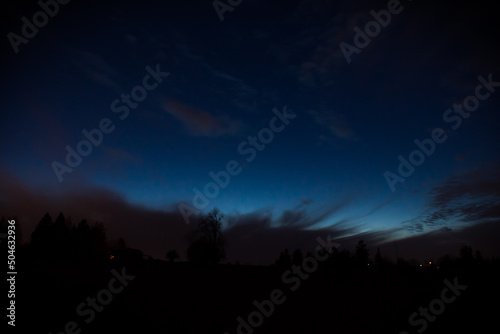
466 256
362 256
41 235
98 241
117 245
60 240
284 261
378 258
466 253
297 257
44 239
172 255
209 246
445 261
81 235
479 257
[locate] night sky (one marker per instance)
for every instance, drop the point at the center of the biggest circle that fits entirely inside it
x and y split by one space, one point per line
308 120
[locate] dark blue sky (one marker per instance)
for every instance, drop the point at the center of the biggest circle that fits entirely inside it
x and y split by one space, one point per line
323 171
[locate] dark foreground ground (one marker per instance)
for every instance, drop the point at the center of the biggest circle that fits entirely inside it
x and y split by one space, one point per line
180 298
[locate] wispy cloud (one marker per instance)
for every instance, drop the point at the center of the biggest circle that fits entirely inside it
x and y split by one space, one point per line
334 122
158 228
199 122
302 218
242 94
470 197
313 55
97 69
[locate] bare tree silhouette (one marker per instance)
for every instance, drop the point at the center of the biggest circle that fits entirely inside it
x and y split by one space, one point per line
362 255
297 257
209 246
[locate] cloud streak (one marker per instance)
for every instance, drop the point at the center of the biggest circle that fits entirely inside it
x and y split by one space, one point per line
155 231
470 197
199 122
335 123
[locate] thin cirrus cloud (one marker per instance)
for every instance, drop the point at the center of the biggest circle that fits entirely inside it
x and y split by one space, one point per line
332 23
96 69
199 122
273 234
333 122
471 197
